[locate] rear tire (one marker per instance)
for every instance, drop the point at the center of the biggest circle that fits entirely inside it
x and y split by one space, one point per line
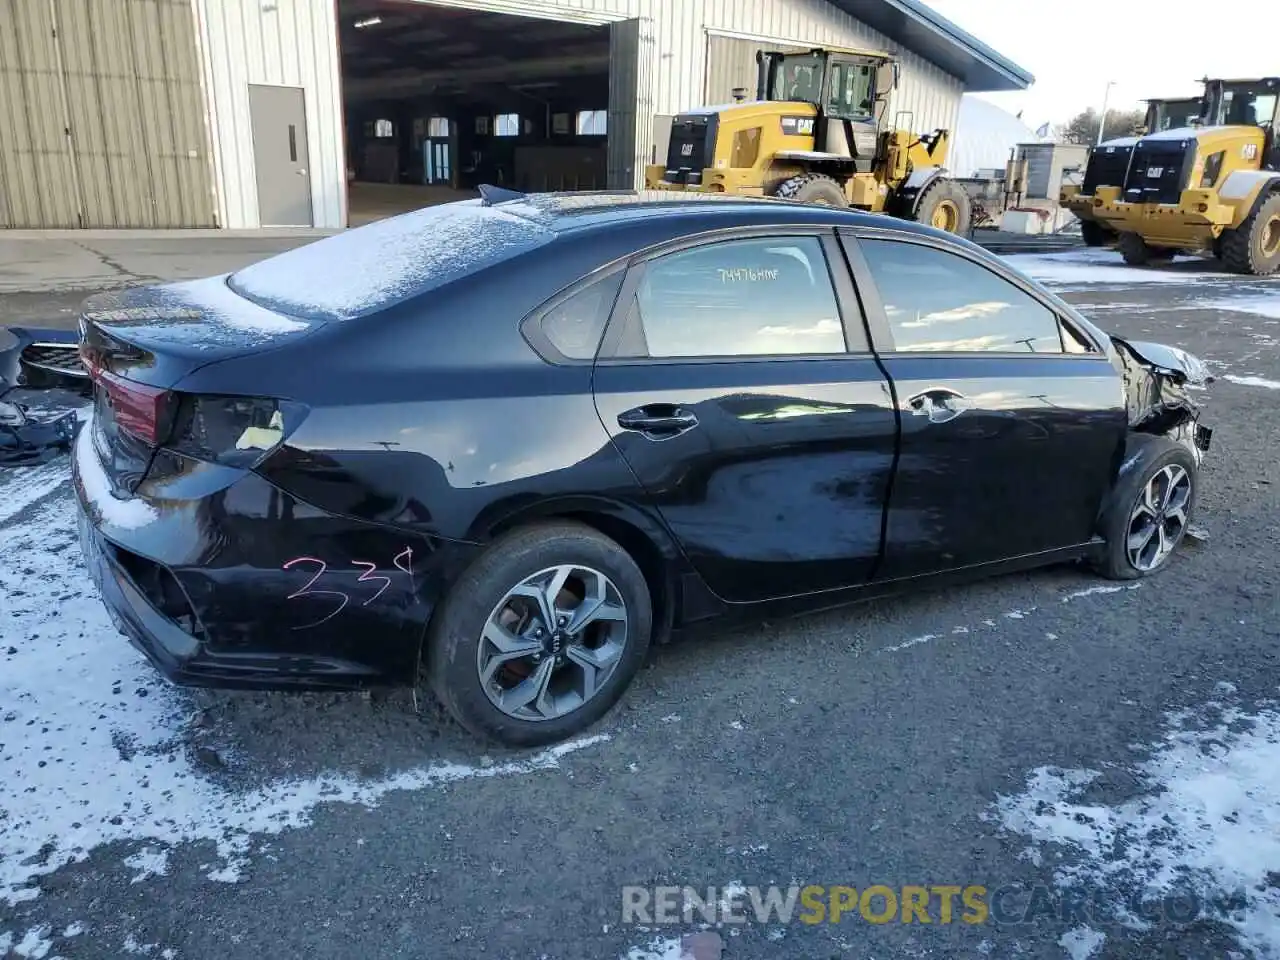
1138 253
1095 234
1254 247
1129 515
945 206
486 595
812 188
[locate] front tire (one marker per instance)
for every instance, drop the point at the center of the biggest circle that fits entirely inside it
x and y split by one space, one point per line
945 206
541 635
1138 253
1095 234
812 188
1253 248
1149 512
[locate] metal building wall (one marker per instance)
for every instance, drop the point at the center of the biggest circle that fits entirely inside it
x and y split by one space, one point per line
291 43
104 116
37 188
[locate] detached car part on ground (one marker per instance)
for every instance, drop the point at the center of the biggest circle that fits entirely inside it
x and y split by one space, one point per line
508 443
27 439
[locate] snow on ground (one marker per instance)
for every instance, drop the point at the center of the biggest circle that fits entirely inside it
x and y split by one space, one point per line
1207 821
1093 266
1081 942
1253 381
91 739
1264 305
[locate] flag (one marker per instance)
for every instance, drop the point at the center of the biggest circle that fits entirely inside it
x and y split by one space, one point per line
1043 131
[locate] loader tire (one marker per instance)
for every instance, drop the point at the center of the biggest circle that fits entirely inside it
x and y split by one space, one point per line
944 205
1254 246
1138 253
1095 234
812 188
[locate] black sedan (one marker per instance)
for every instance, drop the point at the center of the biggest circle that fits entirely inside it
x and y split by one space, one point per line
506 444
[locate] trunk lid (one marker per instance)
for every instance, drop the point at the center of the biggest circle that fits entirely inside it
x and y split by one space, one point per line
138 343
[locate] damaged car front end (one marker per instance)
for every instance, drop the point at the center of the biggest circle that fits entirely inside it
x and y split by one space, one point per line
1158 385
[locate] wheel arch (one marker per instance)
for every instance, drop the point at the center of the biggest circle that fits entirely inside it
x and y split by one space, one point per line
644 537
906 199
1247 191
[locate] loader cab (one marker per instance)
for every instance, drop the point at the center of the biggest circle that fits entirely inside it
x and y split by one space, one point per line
1248 103
1173 114
849 92
842 84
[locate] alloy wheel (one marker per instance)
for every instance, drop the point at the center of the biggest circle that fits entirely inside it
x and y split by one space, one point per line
552 642
1159 518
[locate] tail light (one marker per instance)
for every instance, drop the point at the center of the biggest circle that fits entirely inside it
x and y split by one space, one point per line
137 408
233 431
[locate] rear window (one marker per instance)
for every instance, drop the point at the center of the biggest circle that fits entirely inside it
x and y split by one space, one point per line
370 268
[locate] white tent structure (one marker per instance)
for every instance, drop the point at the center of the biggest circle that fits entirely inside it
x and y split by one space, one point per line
985 134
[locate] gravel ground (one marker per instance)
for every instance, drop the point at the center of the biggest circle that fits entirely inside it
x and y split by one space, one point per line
899 743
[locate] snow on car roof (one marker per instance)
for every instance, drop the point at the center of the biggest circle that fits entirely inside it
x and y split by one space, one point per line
374 267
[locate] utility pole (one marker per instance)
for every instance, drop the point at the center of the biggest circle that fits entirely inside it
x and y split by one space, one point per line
1102 121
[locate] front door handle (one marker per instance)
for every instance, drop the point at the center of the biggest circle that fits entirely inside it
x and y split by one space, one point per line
939 404
658 421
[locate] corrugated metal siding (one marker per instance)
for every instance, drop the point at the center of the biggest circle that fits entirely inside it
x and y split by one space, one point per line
286 43
137 113
124 79
1039 170
37 188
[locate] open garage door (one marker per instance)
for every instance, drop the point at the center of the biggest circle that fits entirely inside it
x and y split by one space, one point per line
631 54
439 99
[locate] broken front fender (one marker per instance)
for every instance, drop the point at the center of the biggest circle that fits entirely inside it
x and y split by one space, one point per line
1157 384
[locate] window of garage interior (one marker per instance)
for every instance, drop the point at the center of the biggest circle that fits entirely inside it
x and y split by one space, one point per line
475 97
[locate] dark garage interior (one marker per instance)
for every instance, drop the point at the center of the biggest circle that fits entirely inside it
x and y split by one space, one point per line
438 100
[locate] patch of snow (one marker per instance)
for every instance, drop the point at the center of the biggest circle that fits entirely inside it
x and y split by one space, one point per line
1094 591
73 930
1098 267
913 642
371 268
120 514
1208 821
100 758
35 943
1264 305
1253 381
23 487
148 862
736 724
671 718
1082 942
659 948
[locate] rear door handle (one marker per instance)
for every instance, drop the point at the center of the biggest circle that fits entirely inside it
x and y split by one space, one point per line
939 404
658 421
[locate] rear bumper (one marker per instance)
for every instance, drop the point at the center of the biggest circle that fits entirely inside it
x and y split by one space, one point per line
246 587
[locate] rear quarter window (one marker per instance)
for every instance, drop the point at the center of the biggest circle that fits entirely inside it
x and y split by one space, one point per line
374 267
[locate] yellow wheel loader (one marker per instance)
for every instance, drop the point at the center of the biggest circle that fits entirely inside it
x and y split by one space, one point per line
1109 164
1214 187
816 133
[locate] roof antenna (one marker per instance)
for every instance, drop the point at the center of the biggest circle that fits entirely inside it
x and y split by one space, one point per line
490 194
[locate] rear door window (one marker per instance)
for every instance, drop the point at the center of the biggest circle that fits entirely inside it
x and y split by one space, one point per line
938 302
752 297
